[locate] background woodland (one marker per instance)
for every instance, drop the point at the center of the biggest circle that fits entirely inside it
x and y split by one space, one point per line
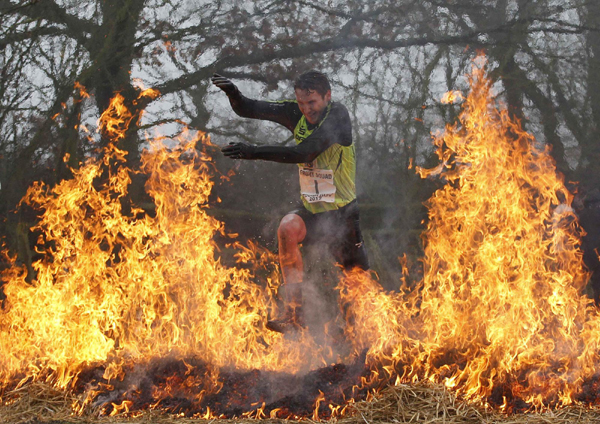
389 61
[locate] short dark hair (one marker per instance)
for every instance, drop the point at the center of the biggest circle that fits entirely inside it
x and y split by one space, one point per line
313 81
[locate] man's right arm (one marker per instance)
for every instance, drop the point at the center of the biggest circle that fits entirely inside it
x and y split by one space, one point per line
285 113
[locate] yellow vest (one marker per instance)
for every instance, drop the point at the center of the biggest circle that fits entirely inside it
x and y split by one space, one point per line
337 158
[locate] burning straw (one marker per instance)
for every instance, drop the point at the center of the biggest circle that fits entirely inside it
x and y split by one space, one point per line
406 403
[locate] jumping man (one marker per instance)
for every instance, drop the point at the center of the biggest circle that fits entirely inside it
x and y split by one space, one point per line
326 159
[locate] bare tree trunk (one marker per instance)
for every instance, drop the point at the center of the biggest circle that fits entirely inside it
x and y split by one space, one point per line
113 50
590 146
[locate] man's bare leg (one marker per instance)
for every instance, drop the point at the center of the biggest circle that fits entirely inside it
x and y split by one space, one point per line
291 232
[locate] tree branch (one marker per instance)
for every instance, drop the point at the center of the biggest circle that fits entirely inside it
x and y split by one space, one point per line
341 42
27 35
49 11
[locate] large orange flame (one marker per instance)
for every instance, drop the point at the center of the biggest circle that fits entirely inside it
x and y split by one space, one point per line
500 314
114 288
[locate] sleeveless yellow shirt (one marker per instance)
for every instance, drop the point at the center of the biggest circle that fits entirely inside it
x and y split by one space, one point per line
338 160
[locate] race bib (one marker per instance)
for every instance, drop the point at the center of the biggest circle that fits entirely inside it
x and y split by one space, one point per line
316 185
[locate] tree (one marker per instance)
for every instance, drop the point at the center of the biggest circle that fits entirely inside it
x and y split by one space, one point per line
390 62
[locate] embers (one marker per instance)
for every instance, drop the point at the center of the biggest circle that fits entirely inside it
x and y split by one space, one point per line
189 387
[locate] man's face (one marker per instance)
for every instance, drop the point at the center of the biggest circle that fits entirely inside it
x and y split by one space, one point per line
312 104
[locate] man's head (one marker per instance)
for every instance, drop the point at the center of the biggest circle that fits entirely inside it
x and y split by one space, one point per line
313 93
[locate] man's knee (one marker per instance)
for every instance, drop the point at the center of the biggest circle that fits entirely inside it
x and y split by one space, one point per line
291 229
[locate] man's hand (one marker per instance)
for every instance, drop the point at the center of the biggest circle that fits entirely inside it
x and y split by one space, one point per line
239 151
224 84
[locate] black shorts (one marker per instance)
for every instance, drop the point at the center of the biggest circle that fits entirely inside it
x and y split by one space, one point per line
339 231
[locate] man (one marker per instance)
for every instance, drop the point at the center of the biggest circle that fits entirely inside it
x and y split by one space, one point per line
325 156
587 206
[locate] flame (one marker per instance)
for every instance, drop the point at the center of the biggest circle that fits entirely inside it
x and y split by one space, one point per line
117 117
499 316
81 90
500 313
115 289
452 97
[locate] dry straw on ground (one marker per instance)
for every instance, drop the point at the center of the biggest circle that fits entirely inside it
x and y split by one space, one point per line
425 404
38 403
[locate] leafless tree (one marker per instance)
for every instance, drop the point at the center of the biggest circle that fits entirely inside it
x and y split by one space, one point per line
390 61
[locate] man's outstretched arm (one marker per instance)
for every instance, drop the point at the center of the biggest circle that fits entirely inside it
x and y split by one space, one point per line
280 112
301 153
